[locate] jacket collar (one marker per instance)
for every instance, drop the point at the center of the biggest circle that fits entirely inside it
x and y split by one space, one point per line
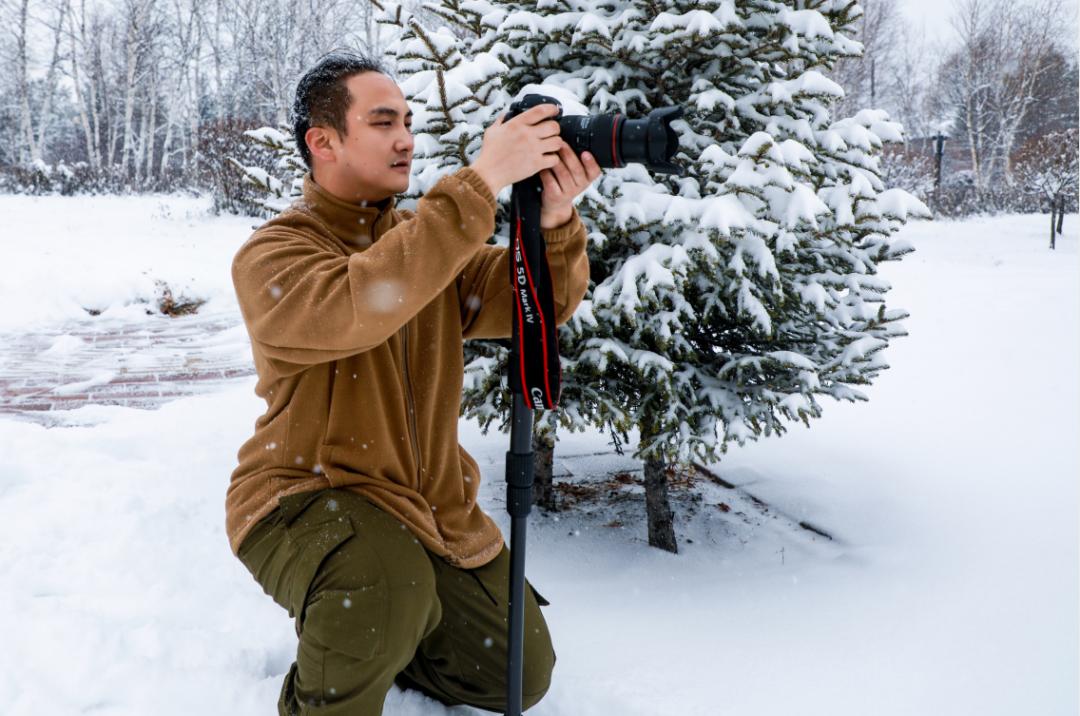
355 224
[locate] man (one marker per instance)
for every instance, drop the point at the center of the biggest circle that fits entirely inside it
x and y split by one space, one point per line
353 505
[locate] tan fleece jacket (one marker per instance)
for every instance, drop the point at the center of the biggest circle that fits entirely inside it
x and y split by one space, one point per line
356 316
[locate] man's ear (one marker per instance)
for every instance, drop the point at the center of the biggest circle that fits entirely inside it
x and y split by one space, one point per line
319 143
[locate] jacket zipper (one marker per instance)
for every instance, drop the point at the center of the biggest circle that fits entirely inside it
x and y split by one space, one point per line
412 409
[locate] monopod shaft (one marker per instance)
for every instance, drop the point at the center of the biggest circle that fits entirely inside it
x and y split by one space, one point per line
519 487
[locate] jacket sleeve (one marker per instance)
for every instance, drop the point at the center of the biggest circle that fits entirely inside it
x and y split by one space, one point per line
484 286
306 304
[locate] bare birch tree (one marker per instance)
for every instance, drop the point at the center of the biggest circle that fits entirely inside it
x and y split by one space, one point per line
966 81
990 80
1028 35
34 112
861 77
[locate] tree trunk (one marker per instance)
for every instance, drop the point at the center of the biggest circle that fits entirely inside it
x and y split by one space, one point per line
1053 220
99 116
80 100
973 146
26 130
543 459
1061 212
170 119
50 79
152 130
111 127
163 168
190 157
130 60
95 72
658 508
140 146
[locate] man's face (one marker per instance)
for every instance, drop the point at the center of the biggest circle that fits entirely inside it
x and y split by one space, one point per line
379 122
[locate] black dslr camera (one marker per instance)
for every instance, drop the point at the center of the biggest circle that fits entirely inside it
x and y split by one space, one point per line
614 140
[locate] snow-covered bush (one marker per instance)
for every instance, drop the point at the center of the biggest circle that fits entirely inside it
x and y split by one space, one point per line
227 158
910 170
278 186
60 178
1048 168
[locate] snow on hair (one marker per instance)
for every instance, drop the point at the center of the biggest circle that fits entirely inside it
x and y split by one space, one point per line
322 97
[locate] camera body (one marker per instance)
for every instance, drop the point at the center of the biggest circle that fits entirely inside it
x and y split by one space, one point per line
612 139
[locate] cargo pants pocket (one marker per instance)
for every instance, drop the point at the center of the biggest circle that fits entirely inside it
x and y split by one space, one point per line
341 602
285 550
315 529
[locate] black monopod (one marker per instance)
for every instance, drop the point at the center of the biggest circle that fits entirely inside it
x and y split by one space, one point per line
534 353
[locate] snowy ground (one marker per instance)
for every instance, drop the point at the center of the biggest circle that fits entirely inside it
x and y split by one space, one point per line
951 587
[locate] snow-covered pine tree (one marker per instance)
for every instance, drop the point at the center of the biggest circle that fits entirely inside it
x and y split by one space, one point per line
725 301
453 93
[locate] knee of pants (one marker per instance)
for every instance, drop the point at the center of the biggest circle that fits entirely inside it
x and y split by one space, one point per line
530 700
536 678
390 607
539 661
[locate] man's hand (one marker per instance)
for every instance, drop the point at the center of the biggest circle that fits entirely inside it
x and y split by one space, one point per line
562 183
516 149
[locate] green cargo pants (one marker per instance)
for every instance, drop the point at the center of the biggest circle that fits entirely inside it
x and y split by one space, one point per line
373 607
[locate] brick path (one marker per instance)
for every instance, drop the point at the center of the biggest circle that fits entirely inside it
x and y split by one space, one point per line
110 361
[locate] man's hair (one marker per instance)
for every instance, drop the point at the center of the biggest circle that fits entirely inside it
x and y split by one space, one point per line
322 99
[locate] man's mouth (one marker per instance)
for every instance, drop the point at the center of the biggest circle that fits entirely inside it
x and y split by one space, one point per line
400 164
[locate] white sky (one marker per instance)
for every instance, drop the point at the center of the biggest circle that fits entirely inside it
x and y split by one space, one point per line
930 15
933 17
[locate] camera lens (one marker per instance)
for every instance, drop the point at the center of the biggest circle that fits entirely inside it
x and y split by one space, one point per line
616 141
